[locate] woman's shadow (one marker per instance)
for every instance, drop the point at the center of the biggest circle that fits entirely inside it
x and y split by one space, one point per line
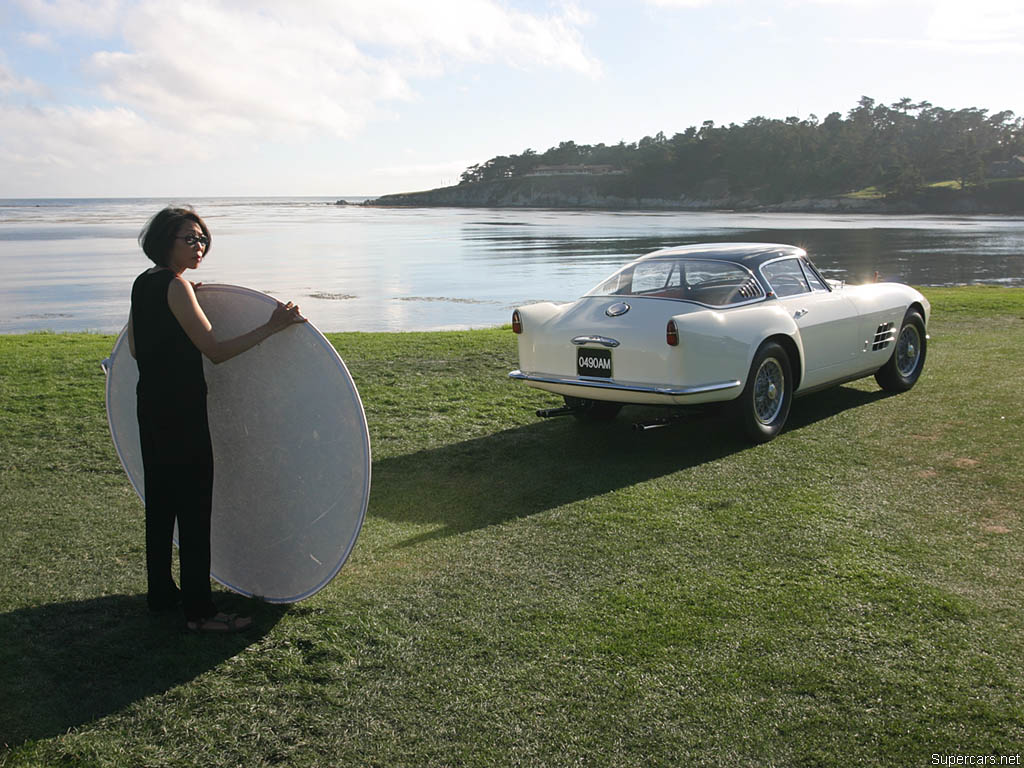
65 664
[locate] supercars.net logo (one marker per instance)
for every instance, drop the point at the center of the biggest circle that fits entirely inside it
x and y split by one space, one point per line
939 759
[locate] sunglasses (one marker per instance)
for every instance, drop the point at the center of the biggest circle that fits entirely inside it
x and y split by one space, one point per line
203 240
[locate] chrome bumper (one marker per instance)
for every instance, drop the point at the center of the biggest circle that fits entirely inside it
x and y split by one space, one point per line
575 381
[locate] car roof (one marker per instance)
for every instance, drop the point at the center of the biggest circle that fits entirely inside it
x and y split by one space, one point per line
751 255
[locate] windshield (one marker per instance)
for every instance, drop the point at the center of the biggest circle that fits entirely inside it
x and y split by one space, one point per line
712 282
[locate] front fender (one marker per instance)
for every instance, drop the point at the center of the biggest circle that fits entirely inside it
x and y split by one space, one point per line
881 297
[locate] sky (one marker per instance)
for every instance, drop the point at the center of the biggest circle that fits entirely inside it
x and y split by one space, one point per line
201 98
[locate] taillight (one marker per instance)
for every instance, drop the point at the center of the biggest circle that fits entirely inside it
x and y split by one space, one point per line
517 322
672 334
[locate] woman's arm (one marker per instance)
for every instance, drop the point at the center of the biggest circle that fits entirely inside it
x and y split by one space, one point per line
130 333
181 299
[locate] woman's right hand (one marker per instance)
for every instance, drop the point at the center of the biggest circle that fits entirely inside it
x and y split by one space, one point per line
284 315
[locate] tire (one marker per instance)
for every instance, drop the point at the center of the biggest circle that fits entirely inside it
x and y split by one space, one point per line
905 364
592 410
763 407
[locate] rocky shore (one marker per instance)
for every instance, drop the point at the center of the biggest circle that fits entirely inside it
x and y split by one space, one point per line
1005 198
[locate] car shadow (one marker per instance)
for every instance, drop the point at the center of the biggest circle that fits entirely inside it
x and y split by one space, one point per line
66 664
827 403
522 471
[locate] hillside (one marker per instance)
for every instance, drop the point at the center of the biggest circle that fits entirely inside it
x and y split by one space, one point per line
901 158
623 193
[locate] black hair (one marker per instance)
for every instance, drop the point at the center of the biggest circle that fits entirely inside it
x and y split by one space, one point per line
157 237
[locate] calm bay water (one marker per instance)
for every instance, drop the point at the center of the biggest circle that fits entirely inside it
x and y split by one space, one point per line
68 265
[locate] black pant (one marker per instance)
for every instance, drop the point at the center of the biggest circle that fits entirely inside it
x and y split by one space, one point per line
181 492
177 462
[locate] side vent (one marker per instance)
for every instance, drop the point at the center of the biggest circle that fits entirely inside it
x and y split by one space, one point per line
883 336
750 289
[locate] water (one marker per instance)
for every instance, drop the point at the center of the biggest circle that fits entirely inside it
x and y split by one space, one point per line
68 265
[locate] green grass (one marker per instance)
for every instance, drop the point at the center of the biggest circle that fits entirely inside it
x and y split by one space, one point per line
547 593
874 193
867 193
955 183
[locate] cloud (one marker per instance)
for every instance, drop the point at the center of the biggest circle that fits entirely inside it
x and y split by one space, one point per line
214 71
982 22
39 40
994 23
81 137
447 168
289 68
984 27
980 26
11 83
680 3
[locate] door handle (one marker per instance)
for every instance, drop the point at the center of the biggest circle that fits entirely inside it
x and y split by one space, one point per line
604 341
799 313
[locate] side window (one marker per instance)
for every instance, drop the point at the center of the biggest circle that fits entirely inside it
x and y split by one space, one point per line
673 279
719 283
712 282
812 278
653 276
786 277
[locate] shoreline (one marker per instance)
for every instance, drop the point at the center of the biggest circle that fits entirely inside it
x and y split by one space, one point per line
822 206
995 296
1005 198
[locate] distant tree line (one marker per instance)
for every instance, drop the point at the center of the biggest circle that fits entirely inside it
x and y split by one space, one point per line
899 149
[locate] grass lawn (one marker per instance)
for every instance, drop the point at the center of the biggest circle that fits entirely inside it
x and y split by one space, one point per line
867 193
874 193
549 593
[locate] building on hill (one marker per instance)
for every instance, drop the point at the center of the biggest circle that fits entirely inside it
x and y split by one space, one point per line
1007 169
575 170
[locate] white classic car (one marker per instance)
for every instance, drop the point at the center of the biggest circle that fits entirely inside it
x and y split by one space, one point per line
750 324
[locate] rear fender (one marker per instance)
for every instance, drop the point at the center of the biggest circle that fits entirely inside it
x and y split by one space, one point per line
721 344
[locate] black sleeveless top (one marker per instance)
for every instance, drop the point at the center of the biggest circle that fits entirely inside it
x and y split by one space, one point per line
171 393
170 365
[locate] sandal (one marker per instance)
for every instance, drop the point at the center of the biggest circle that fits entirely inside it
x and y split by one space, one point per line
220 623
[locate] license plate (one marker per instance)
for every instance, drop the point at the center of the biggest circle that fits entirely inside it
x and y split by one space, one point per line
594 362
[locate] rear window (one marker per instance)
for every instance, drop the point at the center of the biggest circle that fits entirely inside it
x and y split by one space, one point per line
716 283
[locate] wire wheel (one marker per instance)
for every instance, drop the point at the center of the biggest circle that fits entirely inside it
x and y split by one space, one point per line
904 366
769 390
763 406
908 350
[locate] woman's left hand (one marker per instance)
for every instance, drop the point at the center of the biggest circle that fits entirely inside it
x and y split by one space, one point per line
285 315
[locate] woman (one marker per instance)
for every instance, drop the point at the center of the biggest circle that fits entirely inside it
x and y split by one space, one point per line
168 334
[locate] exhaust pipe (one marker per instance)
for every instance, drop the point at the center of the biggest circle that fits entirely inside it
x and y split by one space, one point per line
548 413
664 421
644 426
